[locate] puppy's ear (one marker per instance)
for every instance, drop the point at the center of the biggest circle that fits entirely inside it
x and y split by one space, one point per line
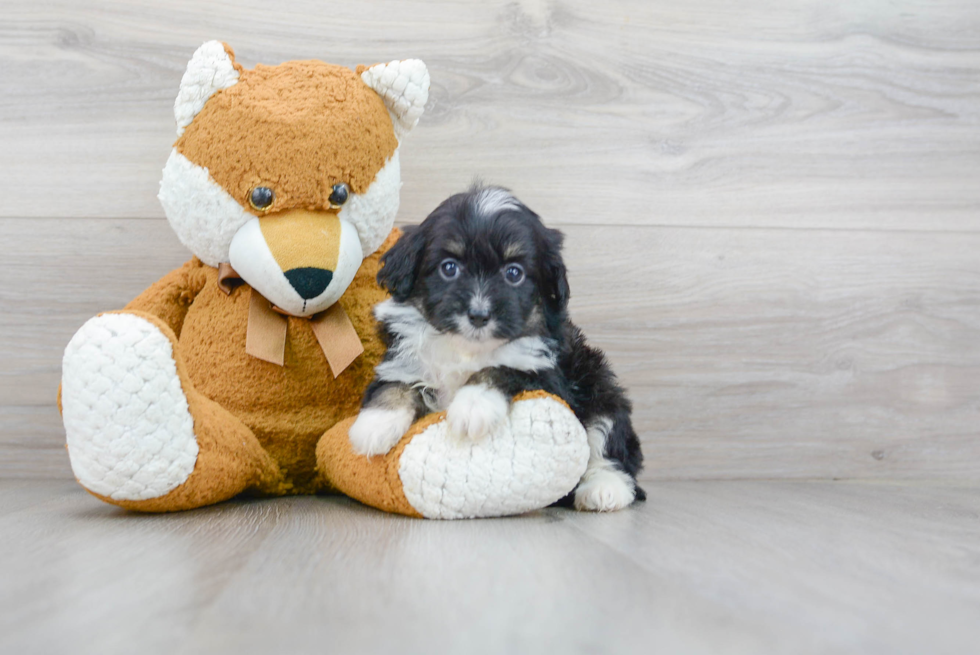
554 277
400 265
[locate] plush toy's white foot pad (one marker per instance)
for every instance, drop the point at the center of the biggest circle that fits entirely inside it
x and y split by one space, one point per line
528 462
130 432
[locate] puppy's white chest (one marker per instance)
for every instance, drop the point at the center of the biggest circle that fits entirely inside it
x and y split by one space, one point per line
442 362
447 362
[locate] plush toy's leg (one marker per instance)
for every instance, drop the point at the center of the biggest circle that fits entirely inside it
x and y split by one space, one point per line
139 435
536 458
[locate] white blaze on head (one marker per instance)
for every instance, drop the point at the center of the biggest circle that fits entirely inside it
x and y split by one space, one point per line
493 200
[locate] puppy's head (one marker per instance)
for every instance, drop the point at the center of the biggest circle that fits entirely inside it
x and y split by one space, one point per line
483 266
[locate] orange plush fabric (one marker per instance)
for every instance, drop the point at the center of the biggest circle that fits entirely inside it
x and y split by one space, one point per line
257 424
299 127
287 408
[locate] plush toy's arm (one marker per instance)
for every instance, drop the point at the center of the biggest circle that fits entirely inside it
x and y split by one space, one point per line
537 457
171 296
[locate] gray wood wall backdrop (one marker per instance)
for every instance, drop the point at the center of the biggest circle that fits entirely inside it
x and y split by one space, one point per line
771 207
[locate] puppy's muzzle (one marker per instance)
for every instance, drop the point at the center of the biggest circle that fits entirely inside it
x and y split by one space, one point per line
478 317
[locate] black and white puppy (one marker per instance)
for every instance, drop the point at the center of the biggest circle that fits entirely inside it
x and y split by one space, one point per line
478 313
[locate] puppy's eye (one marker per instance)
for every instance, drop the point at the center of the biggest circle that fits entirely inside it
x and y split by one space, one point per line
339 194
514 274
261 198
449 269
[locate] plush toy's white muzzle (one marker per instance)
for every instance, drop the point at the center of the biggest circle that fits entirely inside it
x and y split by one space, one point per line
301 261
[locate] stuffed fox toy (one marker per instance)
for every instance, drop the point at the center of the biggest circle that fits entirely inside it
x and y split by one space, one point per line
243 369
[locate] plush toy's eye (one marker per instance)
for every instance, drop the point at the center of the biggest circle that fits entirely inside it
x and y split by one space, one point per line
339 194
514 274
261 197
449 269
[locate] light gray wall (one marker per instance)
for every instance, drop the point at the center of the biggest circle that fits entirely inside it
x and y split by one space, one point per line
772 209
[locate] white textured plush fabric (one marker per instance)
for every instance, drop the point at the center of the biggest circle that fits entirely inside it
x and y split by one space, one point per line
373 212
531 461
210 70
204 215
404 87
130 432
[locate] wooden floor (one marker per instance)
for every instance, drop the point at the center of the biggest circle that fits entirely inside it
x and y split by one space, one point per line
703 567
772 214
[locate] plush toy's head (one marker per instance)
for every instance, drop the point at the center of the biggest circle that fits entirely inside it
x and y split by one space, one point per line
289 173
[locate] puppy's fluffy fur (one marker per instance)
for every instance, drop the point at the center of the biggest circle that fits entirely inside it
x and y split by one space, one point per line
478 313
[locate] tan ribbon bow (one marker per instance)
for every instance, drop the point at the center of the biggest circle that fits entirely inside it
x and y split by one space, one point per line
265 337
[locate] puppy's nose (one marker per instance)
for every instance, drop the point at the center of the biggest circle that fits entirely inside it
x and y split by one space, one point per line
478 317
309 282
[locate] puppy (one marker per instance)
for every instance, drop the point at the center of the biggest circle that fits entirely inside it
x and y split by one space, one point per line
478 314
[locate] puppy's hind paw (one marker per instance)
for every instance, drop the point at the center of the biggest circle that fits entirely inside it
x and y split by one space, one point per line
377 430
476 411
604 490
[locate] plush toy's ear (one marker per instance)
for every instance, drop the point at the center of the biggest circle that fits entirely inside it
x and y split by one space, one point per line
404 86
211 69
400 265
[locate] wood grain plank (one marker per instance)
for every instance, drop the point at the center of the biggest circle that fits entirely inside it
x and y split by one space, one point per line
713 567
748 353
862 115
505 586
870 568
20 495
88 565
775 353
32 443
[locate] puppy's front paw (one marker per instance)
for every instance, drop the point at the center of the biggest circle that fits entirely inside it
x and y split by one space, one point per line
377 429
604 490
476 411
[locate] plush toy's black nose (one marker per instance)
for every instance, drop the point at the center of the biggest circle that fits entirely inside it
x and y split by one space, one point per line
478 317
309 282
